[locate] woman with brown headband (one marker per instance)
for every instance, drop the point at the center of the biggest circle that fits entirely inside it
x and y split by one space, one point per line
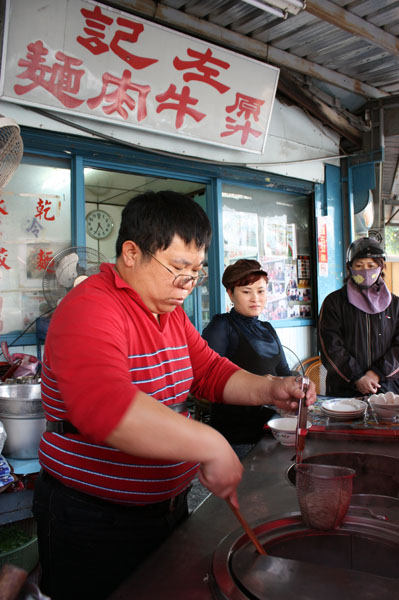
251 344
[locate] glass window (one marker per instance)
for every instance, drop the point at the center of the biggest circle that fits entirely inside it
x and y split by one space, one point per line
392 241
273 228
109 191
35 224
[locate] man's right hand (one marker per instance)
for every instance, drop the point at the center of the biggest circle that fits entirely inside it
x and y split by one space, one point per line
368 384
152 430
222 473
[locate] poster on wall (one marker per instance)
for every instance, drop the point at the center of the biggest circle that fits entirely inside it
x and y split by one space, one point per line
291 241
303 263
275 236
240 233
98 62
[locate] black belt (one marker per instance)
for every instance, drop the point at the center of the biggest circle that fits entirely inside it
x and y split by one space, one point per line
63 426
60 427
154 509
179 408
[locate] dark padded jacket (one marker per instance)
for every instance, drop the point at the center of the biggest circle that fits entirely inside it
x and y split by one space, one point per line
252 345
352 342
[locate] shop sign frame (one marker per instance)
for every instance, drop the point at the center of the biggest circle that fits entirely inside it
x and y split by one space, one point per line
97 62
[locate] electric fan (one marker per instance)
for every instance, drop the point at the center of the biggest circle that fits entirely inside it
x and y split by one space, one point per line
11 149
67 269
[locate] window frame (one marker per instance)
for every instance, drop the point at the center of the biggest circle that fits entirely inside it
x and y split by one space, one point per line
84 152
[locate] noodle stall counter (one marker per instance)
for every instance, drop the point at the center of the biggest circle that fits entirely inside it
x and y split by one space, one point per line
210 557
368 425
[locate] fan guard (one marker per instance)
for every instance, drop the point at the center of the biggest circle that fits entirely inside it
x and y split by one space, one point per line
67 269
11 149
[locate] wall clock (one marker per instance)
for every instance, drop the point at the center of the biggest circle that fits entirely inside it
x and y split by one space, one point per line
99 224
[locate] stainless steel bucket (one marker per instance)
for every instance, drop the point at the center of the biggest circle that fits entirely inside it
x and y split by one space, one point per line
22 415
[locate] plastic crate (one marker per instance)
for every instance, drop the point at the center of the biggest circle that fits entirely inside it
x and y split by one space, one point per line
25 556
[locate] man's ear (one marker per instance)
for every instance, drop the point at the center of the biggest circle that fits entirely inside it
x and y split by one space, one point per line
130 253
230 295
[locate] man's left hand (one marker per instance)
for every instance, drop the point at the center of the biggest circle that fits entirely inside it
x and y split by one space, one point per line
246 389
287 391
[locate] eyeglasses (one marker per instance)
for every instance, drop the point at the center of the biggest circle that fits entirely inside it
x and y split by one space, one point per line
182 280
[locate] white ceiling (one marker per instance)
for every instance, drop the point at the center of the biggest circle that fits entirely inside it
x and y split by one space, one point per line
116 188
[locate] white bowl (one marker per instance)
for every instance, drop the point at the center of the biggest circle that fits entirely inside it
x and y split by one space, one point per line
284 429
385 405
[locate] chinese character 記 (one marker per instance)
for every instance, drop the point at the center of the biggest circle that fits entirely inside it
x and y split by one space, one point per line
96 23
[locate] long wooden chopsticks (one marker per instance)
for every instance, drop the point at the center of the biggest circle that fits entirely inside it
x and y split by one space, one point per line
250 533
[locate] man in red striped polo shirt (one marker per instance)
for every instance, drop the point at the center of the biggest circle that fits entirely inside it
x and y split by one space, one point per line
120 449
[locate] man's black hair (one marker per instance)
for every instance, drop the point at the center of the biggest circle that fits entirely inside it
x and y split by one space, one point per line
152 220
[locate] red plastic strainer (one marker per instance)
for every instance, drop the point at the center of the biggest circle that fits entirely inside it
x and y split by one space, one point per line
324 493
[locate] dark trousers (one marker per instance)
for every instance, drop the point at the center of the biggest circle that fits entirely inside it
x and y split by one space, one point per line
88 546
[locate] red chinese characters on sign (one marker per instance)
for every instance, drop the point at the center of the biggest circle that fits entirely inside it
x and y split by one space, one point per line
43 209
3 210
61 79
119 96
322 242
116 91
96 24
42 259
181 106
206 74
247 107
3 257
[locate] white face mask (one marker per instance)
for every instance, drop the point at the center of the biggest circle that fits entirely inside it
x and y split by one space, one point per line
365 278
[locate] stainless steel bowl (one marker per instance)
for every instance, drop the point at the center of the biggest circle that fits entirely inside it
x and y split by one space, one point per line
22 415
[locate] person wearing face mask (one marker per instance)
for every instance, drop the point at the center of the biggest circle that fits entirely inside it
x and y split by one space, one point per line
251 344
359 327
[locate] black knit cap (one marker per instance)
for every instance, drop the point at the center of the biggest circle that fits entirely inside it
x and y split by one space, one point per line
239 270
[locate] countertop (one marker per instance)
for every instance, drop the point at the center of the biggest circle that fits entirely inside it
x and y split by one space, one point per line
179 568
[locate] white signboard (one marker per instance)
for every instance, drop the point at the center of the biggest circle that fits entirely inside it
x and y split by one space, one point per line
100 63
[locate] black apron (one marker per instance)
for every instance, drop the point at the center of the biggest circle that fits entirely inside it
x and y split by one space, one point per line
244 424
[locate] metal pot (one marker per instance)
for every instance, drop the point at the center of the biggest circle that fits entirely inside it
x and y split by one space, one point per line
359 559
22 415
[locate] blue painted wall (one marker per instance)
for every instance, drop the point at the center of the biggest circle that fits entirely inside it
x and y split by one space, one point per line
328 205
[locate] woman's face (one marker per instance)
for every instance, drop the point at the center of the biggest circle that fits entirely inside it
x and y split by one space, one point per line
359 264
249 300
